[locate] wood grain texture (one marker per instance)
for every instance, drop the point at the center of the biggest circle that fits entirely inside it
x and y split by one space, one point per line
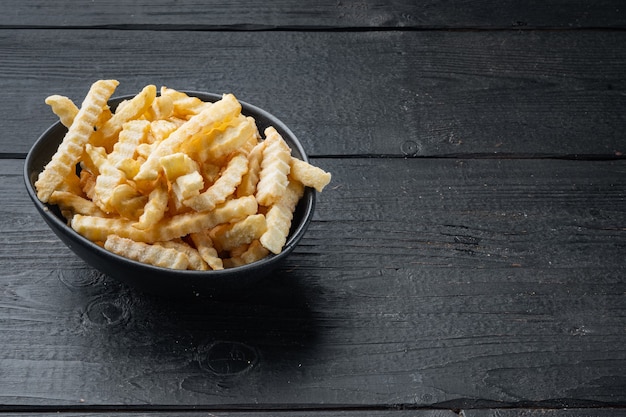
580 412
520 94
466 260
326 14
435 283
577 412
242 413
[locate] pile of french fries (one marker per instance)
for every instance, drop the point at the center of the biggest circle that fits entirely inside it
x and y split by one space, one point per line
173 181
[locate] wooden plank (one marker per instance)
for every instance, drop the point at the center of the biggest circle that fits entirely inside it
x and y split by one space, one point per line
576 412
240 413
318 15
516 412
442 283
381 93
513 412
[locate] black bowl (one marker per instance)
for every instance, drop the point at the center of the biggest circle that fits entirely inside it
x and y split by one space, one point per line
162 280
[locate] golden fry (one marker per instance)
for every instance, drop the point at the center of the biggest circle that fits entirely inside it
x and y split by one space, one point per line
71 149
162 108
226 108
203 243
193 256
96 228
127 201
224 142
132 109
188 186
161 129
133 133
177 164
151 254
274 168
240 233
155 208
183 224
75 204
183 105
64 108
279 218
109 177
251 178
222 188
309 175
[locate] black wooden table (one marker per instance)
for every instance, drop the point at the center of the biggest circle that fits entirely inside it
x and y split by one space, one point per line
469 256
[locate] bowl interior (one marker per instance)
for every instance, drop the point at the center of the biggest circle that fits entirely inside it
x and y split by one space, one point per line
151 278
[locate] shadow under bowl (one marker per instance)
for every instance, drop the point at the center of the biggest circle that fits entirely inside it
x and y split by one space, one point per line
157 280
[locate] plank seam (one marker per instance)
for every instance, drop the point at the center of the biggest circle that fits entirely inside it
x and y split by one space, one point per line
125 409
297 28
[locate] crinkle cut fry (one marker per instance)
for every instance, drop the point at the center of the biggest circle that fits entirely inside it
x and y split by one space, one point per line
74 204
251 178
188 186
132 109
155 208
109 177
204 244
222 188
232 138
150 254
97 229
195 259
183 224
254 252
63 107
240 233
224 109
132 134
71 149
309 175
274 168
279 217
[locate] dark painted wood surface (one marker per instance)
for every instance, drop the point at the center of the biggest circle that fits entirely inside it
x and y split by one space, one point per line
467 259
577 412
277 413
317 15
503 283
584 412
352 93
